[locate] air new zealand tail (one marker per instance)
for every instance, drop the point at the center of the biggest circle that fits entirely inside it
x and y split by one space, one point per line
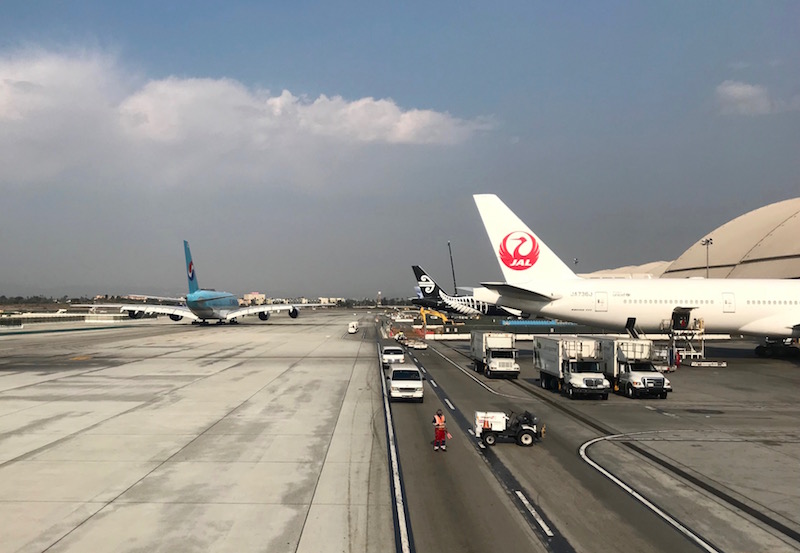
433 297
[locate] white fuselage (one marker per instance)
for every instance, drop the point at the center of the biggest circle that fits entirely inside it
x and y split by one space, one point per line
731 306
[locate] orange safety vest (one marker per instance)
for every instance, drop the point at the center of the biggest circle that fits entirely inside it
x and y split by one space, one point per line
438 421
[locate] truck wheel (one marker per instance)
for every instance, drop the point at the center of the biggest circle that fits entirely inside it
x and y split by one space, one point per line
525 438
629 391
489 438
487 372
570 392
542 382
663 395
605 397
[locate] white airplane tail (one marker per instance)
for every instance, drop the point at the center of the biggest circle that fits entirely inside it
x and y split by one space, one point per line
522 256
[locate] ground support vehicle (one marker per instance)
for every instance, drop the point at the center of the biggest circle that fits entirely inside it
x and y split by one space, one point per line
391 355
494 353
571 364
524 428
628 365
352 328
405 383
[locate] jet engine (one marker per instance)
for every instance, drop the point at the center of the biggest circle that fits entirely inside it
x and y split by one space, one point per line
135 314
175 317
294 312
264 315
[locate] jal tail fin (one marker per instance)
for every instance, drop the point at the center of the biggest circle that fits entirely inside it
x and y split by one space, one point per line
428 287
522 256
190 274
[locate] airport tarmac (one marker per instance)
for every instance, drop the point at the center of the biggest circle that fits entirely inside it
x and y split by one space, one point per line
164 436
271 437
721 456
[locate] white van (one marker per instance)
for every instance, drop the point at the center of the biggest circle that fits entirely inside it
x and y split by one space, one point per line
405 383
353 327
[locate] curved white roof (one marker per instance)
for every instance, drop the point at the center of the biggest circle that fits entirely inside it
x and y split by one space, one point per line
760 244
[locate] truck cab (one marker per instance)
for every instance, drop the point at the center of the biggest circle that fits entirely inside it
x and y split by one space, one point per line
585 377
502 361
642 378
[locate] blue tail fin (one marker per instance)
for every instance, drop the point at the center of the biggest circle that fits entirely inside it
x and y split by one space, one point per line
193 286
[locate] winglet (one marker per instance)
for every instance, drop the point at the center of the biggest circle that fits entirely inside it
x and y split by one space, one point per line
190 274
522 256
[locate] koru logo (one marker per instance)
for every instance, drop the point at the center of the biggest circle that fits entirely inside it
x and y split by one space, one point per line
525 251
426 284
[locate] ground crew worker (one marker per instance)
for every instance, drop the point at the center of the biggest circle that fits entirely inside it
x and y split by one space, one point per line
439 431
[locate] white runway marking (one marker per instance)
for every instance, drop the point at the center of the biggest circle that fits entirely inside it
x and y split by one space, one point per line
471 431
405 543
487 388
433 383
534 514
480 445
636 495
450 405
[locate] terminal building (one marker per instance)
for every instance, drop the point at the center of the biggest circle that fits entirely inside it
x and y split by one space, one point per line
759 244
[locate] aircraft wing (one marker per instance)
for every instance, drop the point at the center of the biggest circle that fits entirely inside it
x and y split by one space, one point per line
178 310
781 325
271 308
509 290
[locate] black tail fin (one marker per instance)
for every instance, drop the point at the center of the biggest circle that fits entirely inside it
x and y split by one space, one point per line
428 287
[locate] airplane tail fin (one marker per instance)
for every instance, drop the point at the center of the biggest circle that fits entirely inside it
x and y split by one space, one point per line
522 256
428 287
193 286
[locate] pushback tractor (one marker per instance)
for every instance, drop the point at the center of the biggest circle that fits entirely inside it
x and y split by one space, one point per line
524 428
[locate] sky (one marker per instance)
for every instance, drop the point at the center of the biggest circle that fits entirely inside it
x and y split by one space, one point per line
322 148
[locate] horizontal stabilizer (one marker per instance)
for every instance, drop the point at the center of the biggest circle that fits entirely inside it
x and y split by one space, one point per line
509 290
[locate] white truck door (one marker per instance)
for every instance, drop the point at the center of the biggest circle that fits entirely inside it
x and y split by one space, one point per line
601 301
728 302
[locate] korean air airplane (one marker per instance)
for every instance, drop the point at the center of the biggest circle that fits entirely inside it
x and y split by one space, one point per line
204 305
538 282
435 298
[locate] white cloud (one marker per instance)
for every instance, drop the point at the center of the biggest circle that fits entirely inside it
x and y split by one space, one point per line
736 97
739 98
80 117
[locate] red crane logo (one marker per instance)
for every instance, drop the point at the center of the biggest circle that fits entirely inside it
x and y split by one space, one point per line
525 254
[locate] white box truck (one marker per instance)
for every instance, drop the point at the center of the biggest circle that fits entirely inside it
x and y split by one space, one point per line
628 364
571 364
494 353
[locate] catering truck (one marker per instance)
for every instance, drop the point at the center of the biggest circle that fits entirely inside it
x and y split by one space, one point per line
628 365
571 364
494 353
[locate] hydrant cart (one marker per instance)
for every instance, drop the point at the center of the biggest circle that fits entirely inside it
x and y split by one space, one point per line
524 428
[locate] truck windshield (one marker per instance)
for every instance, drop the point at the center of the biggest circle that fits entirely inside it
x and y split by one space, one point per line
502 354
642 367
406 375
585 367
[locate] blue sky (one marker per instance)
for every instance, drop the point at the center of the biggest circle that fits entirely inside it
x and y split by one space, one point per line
622 132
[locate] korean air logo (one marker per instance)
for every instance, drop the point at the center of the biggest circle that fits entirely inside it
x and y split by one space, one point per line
190 270
525 252
426 284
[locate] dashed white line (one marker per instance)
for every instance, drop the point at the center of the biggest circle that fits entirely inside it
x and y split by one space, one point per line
471 431
484 386
480 445
534 514
450 405
433 383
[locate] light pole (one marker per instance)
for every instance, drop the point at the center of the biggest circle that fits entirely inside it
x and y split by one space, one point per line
707 242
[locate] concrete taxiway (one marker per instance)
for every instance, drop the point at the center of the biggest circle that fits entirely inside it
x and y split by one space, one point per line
271 437
172 437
